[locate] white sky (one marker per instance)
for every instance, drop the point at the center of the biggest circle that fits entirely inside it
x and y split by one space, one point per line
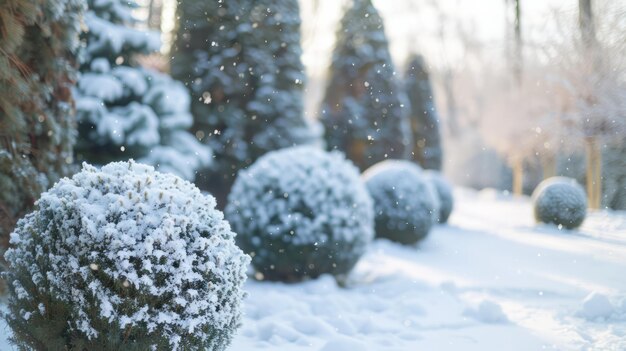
415 25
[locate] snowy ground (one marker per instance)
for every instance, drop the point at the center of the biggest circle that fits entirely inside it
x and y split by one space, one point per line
490 280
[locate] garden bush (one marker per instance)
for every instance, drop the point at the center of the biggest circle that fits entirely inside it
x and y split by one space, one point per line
560 201
406 204
301 212
124 258
444 191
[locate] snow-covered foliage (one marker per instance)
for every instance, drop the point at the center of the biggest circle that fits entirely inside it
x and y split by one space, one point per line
444 192
124 258
406 204
301 212
454 287
38 42
363 111
560 201
241 61
125 111
424 118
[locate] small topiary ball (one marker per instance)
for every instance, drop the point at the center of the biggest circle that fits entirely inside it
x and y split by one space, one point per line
301 212
124 258
561 201
444 191
406 205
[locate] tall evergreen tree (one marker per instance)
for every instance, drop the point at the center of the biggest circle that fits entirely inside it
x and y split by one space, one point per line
126 111
363 111
423 117
37 42
241 60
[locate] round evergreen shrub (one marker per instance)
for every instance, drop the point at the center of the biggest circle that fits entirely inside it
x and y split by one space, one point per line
560 201
301 212
444 192
406 205
124 258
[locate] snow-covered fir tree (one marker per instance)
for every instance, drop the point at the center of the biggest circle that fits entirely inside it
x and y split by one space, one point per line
241 61
37 42
126 111
363 110
423 117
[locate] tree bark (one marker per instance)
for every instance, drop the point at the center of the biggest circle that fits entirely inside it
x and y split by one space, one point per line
514 40
594 173
585 21
548 163
594 154
518 60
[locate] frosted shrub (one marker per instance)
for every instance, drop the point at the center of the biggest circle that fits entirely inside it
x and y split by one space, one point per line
444 192
405 203
560 201
301 212
124 258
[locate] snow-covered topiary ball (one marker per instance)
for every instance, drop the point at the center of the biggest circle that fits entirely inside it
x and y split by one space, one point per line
444 191
406 205
560 201
124 258
301 212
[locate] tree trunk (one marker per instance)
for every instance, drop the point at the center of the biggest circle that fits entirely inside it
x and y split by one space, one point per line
518 176
514 42
598 180
518 60
585 21
594 154
548 164
594 171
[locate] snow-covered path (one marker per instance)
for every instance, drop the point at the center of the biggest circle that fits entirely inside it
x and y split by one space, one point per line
490 280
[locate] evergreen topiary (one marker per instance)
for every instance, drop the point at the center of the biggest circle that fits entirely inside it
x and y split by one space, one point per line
301 212
241 61
424 118
363 112
406 205
561 201
38 40
125 111
444 192
124 258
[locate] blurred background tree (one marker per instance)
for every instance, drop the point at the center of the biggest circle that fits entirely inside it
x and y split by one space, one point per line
423 116
515 103
241 61
363 110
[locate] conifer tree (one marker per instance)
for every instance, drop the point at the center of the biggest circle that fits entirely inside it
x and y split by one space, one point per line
363 109
241 61
38 40
423 117
127 111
